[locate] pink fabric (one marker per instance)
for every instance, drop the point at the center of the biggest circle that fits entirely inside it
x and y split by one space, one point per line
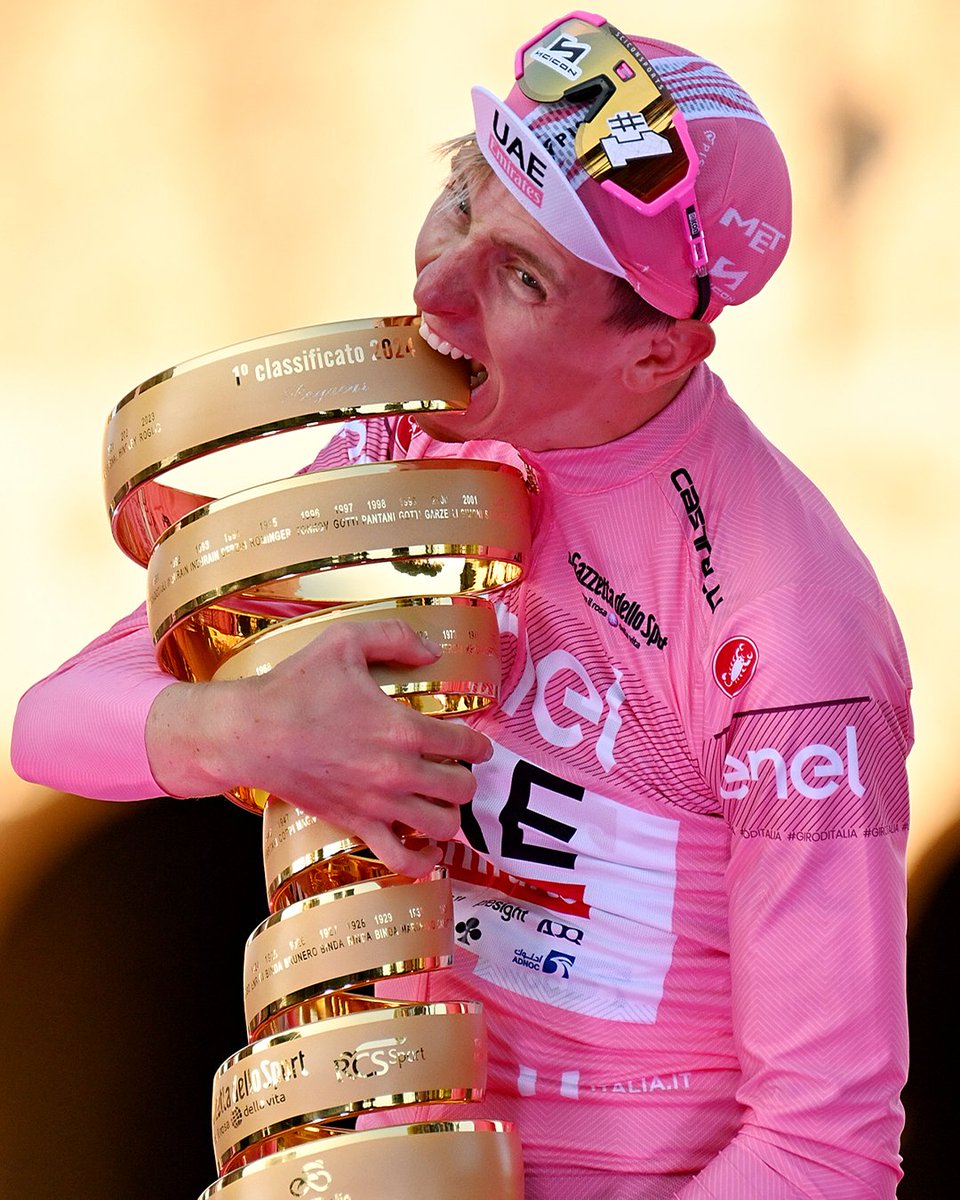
680 888
81 730
711 981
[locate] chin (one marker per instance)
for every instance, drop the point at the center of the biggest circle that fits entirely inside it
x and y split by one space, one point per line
462 426
443 428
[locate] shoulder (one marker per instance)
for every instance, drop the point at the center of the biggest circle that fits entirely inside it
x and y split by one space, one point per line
797 613
765 526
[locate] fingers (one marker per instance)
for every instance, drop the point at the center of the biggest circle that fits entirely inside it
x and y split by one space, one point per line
429 818
443 739
441 784
391 641
329 741
412 860
409 846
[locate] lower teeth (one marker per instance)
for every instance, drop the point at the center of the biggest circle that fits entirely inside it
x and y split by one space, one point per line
478 378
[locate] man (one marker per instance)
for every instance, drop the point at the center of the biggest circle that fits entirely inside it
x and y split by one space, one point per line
680 876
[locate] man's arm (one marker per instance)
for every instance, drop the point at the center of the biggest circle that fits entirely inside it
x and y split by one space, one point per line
817 952
811 773
317 730
80 730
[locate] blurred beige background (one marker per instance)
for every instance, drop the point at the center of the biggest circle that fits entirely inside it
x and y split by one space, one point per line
177 176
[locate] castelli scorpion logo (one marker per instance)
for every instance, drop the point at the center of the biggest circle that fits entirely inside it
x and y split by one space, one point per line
735 664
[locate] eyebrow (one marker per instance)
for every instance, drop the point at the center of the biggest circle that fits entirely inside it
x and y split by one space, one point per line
545 272
469 169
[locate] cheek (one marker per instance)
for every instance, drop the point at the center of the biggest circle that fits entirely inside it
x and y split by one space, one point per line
560 360
427 245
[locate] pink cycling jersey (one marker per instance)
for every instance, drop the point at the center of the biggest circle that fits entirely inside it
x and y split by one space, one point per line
680 885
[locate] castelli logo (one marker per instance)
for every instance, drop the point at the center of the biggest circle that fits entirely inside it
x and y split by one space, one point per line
735 664
404 433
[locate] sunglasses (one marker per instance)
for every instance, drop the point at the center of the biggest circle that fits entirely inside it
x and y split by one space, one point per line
632 138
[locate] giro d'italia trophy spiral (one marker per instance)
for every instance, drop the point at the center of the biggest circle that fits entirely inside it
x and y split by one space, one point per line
235 585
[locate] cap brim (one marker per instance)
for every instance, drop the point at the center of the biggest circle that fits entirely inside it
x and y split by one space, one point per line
532 177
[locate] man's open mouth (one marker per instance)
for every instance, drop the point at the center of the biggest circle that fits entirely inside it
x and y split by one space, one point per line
478 372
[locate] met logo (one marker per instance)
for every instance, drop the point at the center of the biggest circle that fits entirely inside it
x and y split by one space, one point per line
814 772
761 235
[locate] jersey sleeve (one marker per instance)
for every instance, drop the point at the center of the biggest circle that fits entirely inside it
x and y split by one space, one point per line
809 768
82 729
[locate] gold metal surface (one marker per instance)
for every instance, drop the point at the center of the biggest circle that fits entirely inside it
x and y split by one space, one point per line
469 1160
346 938
382 1059
374 532
308 877
321 1006
464 627
464 679
304 377
304 855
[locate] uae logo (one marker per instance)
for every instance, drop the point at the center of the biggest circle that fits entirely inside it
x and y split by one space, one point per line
735 664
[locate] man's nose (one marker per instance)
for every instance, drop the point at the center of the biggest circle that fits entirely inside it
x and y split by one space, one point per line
445 283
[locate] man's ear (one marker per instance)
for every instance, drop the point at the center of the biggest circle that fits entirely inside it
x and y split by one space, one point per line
658 357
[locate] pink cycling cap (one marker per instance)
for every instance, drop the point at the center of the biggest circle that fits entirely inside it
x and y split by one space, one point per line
742 187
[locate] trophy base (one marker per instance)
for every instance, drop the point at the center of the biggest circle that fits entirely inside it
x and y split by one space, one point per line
469 1160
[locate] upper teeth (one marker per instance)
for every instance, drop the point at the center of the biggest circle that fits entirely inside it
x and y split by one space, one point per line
438 344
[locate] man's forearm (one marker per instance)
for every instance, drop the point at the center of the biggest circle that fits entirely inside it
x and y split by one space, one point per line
752 1167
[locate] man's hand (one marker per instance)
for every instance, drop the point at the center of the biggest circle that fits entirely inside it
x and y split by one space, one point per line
318 732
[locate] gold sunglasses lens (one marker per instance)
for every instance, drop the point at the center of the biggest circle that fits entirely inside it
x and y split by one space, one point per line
627 134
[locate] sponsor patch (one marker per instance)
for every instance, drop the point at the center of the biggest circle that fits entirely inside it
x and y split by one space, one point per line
735 664
631 138
620 610
683 482
469 931
563 56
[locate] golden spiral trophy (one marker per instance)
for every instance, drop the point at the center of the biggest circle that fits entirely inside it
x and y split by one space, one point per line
235 585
